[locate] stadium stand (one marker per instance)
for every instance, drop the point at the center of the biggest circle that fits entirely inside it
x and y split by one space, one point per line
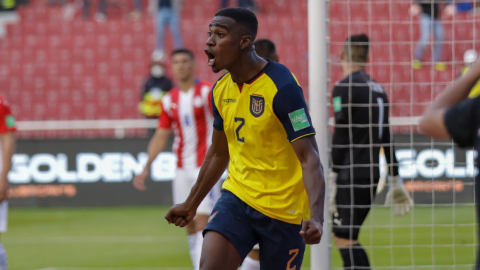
52 69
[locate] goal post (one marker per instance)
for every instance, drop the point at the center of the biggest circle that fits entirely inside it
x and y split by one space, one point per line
318 101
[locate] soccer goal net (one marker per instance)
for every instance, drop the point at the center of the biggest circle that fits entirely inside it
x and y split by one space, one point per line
417 48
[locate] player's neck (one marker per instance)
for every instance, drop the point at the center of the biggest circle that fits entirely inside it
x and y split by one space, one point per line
186 85
347 70
247 67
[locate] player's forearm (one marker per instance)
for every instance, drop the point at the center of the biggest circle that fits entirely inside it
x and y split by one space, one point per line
312 171
457 91
156 146
212 169
314 182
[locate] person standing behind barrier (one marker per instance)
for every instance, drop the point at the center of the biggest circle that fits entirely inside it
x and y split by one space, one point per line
155 87
248 4
469 57
428 11
167 13
101 14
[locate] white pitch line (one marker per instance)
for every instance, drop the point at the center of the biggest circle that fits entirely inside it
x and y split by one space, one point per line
91 239
113 268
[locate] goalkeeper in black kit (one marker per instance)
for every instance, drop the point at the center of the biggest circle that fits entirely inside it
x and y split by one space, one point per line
361 130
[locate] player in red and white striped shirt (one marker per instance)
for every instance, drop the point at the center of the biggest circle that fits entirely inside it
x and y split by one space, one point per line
7 148
186 110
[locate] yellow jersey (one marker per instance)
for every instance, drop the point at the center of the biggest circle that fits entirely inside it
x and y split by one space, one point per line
475 92
260 119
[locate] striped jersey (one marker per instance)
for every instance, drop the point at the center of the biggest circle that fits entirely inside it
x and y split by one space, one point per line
189 114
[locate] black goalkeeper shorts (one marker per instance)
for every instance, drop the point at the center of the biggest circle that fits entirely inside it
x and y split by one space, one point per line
353 204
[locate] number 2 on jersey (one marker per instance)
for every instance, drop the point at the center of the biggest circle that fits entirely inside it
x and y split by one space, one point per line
242 123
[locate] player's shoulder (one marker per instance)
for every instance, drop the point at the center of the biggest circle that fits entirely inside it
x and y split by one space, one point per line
280 75
223 79
205 83
221 83
169 96
359 78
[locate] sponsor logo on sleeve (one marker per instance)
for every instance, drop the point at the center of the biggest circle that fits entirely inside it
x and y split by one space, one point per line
10 120
299 119
337 104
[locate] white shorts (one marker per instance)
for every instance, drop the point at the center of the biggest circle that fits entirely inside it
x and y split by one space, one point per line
183 183
3 216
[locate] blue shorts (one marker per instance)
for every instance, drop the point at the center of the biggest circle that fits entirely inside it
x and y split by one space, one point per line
281 245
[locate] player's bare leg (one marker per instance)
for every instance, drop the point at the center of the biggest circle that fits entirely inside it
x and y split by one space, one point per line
200 223
252 261
218 253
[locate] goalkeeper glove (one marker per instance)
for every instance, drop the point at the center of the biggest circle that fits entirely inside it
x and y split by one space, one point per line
398 196
332 192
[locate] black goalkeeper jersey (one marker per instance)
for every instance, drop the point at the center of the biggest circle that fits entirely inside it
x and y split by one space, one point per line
361 128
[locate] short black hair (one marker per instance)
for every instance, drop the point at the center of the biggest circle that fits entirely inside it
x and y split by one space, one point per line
356 48
183 50
265 48
242 16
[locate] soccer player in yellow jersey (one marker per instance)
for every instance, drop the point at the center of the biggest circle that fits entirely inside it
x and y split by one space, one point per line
274 194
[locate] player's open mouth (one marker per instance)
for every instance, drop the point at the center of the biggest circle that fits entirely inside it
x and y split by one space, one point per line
211 57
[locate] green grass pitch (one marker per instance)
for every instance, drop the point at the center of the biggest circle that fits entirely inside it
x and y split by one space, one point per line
139 238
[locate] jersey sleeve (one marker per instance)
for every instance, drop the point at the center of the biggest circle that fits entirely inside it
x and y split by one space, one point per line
341 135
164 120
291 109
217 118
460 122
7 121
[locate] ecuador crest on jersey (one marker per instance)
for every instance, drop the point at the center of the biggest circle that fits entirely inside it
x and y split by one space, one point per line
257 105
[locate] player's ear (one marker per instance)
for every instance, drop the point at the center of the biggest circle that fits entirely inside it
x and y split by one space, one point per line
246 41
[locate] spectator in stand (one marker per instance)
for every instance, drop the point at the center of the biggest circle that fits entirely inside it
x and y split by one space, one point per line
168 13
428 11
248 4
154 88
136 14
56 2
469 57
7 15
101 14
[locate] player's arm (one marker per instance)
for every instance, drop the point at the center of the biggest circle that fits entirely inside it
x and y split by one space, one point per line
433 121
313 178
215 164
388 147
8 149
397 195
291 109
155 146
